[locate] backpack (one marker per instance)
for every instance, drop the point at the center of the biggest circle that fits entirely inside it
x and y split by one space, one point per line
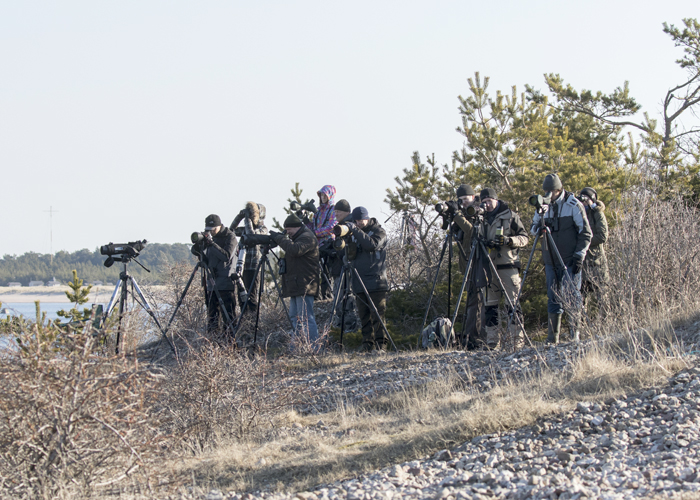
437 333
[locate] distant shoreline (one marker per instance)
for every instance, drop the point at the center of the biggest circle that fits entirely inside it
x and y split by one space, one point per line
55 294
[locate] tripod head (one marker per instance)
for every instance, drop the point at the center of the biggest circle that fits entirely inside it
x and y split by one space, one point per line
123 252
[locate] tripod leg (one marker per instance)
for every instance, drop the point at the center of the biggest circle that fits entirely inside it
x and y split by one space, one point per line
258 270
279 292
257 312
432 290
182 298
150 312
374 309
467 274
122 309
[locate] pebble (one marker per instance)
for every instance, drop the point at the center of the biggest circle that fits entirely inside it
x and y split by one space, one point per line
634 446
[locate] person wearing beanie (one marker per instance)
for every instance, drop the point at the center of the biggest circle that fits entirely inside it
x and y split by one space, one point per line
343 214
473 335
505 235
594 273
566 219
322 224
300 281
253 218
217 251
367 250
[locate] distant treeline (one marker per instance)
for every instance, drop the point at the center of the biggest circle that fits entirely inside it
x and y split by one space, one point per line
90 265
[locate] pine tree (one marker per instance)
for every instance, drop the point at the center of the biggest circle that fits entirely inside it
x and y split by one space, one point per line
78 294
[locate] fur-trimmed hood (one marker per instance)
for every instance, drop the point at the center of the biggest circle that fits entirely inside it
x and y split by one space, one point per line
256 212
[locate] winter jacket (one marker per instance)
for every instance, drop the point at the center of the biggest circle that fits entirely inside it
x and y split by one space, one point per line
303 272
596 264
220 259
466 233
336 257
368 251
570 229
508 256
324 221
253 217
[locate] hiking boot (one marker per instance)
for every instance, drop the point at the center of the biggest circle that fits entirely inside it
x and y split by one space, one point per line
554 324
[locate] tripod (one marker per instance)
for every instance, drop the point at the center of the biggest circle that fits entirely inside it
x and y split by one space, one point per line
262 263
199 265
122 286
447 244
344 289
487 270
544 232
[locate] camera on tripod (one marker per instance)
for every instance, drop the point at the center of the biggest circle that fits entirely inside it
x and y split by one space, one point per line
474 212
447 210
309 206
537 200
122 252
253 240
342 233
198 237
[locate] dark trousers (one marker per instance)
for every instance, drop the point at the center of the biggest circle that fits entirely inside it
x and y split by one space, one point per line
473 336
372 329
215 315
251 281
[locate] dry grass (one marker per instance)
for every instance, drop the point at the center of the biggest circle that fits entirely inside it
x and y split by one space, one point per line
418 421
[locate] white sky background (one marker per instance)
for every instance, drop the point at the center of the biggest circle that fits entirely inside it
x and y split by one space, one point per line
136 119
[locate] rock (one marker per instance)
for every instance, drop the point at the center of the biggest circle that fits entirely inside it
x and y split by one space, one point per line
443 456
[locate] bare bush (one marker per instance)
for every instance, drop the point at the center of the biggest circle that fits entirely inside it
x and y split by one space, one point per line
654 263
220 394
72 420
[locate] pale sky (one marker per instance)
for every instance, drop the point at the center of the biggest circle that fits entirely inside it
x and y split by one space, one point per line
137 119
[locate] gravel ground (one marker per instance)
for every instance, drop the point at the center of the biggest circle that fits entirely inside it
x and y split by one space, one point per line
636 445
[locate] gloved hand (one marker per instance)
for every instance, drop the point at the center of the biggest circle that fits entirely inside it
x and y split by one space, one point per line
275 236
502 240
576 264
351 225
452 206
491 244
243 213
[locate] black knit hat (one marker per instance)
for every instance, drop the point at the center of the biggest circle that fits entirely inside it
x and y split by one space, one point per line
551 183
360 213
343 206
211 222
465 190
293 221
488 193
590 192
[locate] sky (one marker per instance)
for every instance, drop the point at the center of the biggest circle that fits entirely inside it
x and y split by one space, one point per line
135 120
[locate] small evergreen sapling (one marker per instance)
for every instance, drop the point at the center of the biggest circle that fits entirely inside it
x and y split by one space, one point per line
78 294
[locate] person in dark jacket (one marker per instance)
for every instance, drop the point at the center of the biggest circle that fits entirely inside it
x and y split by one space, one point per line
566 218
343 214
473 335
367 250
300 282
253 218
505 235
217 251
595 267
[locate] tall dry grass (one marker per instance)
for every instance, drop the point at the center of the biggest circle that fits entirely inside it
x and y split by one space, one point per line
654 263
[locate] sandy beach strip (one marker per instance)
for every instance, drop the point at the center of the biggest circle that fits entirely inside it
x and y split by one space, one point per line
56 294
